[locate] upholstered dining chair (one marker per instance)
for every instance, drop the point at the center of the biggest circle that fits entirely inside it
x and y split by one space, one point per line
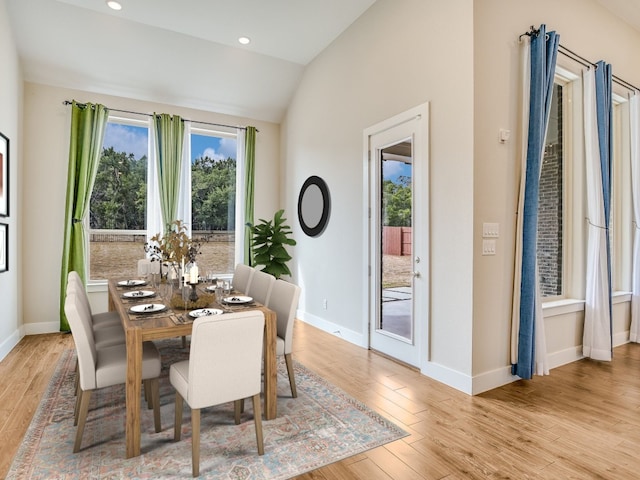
105 367
224 365
98 320
260 286
106 330
242 276
284 301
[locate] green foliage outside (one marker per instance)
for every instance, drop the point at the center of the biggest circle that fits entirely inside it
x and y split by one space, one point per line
397 202
119 193
118 200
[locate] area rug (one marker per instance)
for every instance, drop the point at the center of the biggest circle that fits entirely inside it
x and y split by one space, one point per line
323 425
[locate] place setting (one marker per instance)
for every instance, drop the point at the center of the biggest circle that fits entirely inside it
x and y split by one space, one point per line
148 308
132 283
138 294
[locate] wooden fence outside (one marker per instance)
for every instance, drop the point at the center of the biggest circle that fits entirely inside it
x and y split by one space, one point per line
140 236
396 240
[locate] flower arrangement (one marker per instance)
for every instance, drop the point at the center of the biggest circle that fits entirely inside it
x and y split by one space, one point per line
174 247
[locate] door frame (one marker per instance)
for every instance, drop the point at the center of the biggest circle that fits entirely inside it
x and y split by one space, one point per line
421 230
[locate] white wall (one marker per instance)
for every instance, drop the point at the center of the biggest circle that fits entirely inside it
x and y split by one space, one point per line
398 55
463 58
45 174
588 29
10 125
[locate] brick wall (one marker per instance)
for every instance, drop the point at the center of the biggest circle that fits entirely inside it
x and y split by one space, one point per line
550 209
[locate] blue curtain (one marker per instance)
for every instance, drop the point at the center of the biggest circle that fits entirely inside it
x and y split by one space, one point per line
543 54
604 107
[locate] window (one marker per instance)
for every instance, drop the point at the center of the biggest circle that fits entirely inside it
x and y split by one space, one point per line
621 222
117 218
213 199
117 230
551 205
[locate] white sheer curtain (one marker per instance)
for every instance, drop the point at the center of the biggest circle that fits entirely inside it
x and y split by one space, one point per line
184 202
154 214
240 195
597 322
634 134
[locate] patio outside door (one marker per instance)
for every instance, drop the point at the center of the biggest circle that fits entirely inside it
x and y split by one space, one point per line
398 240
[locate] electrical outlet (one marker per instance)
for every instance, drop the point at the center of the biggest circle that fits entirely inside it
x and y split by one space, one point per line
324 303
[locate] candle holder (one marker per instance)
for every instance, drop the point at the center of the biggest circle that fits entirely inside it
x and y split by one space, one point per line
193 295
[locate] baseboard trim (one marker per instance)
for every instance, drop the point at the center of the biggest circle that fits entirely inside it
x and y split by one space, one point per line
10 342
333 328
42 327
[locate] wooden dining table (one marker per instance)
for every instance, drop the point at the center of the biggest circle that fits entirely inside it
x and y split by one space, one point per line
169 323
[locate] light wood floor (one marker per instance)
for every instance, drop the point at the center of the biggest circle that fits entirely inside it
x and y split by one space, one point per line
582 421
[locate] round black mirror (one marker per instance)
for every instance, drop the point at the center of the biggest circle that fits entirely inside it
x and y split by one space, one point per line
314 206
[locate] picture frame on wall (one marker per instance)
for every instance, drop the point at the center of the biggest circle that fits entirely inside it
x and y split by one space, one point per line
4 247
4 175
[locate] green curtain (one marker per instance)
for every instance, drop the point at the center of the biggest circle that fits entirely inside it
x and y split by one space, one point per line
169 139
249 174
88 124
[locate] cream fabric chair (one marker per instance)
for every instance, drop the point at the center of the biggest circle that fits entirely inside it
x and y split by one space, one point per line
99 368
242 276
284 301
98 320
260 286
224 365
107 330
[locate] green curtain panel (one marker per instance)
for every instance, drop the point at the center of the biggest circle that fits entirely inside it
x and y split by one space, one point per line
169 140
88 124
249 175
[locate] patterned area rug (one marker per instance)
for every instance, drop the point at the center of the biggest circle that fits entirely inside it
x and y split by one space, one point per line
321 426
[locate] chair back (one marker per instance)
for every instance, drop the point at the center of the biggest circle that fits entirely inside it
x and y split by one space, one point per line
74 277
260 286
227 348
242 276
284 301
75 285
83 339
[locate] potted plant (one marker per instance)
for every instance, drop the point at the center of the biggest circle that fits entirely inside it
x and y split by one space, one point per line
174 248
269 238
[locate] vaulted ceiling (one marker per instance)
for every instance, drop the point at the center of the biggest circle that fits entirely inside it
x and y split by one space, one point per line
180 52
186 52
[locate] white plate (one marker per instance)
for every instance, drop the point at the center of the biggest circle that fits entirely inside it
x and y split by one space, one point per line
237 299
204 312
131 283
210 288
148 308
139 294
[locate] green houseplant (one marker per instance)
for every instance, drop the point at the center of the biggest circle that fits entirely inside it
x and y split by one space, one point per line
269 238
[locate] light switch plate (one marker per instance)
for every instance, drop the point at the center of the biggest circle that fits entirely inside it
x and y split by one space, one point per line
488 247
490 230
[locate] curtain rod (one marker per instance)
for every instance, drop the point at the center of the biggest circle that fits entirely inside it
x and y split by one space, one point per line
68 102
581 60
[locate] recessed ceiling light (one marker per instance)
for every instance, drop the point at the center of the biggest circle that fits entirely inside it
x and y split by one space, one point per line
244 40
114 5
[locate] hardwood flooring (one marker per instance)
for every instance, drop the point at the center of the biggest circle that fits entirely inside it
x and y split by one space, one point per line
582 421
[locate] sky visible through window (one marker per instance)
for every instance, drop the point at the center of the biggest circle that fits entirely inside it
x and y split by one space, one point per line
134 139
393 170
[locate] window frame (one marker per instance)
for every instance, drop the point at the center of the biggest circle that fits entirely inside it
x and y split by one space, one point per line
100 284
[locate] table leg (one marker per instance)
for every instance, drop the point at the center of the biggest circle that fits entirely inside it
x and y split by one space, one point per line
133 390
270 368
